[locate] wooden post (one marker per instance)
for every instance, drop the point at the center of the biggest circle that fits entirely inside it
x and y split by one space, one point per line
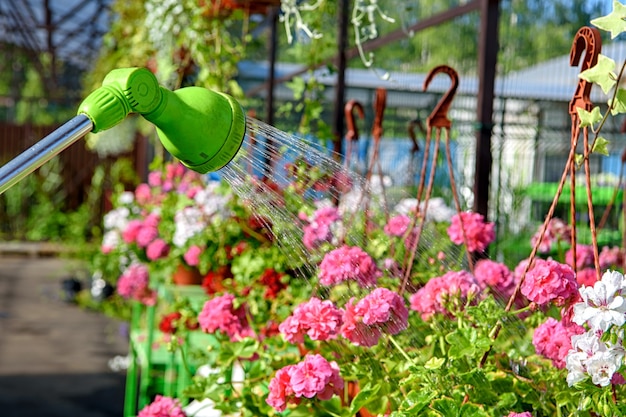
340 87
487 59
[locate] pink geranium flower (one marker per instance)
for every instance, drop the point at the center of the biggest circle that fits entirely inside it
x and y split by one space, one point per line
556 231
611 258
382 311
584 257
145 235
319 228
479 234
320 320
397 225
143 194
552 340
313 377
348 263
129 234
154 178
220 314
549 281
435 296
280 391
134 283
157 249
586 277
163 407
524 414
494 275
192 255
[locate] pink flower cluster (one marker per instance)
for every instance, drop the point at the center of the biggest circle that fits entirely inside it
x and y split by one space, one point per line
435 296
313 377
145 234
611 258
134 283
192 255
319 230
549 281
479 234
398 225
556 231
524 414
220 314
348 263
321 320
495 276
176 178
586 276
552 340
162 407
584 257
381 311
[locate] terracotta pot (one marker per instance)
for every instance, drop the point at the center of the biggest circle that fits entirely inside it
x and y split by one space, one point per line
186 276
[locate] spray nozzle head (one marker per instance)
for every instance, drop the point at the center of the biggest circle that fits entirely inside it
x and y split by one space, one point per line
201 127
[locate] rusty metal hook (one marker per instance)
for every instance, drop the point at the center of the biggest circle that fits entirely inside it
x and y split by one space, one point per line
587 40
380 103
439 115
411 131
352 131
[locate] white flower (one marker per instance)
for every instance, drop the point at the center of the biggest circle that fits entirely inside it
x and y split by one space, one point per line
437 211
584 346
576 369
188 222
111 239
116 219
212 203
351 201
588 343
589 355
602 366
603 304
126 197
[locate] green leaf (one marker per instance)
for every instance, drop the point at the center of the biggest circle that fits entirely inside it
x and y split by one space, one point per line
619 105
589 118
600 146
578 159
417 401
459 345
434 363
365 396
601 73
472 410
446 407
614 22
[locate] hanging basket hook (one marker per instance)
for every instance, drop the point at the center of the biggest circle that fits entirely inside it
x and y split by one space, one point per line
586 40
439 115
353 132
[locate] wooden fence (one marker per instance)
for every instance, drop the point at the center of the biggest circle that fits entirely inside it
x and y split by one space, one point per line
77 161
77 166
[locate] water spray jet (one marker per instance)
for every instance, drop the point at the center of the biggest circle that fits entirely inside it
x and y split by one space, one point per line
204 129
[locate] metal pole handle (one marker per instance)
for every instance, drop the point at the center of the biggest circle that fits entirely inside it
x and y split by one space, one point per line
44 150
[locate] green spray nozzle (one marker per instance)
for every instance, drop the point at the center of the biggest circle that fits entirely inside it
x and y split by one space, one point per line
201 127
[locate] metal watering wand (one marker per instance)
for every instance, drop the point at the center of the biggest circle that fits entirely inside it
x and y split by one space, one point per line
204 129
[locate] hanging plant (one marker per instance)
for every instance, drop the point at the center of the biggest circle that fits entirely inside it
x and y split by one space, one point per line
365 17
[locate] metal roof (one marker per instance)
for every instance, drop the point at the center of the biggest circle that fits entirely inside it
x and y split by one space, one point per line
552 80
69 30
